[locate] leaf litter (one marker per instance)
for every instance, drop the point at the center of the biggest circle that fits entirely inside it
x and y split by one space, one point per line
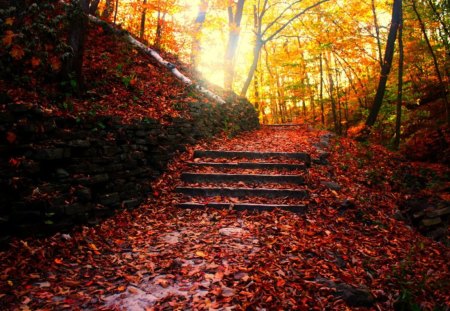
159 257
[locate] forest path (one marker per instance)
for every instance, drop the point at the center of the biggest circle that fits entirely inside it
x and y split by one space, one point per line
346 250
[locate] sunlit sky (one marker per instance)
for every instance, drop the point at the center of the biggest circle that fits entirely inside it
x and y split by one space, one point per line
214 39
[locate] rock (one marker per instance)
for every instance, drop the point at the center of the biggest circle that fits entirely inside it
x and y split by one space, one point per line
233 231
80 143
62 173
347 204
398 216
110 199
227 292
439 212
438 233
84 195
53 154
332 185
355 297
429 222
171 237
132 203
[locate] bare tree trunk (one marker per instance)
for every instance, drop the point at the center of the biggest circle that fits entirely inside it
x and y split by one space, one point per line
377 31
93 6
159 29
197 33
256 51
322 109
234 23
77 35
108 10
398 121
435 62
331 91
115 11
143 16
386 68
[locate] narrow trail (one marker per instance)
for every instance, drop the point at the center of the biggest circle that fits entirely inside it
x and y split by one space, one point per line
334 246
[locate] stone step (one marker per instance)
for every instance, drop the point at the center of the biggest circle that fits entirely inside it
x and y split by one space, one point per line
251 178
284 124
250 165
302 156
301 209
242 192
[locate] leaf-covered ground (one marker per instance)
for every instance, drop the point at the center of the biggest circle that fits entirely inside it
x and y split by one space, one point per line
118 80
158 257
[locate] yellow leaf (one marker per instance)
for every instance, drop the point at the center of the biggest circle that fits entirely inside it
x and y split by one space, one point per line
9 21
17 52
8 37
200 254
10 283
93 247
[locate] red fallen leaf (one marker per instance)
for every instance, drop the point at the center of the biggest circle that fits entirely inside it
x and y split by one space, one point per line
155 194
11 137
14 162
58 261
281 282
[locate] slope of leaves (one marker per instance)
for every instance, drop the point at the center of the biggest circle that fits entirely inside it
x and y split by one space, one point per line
158 257
118 80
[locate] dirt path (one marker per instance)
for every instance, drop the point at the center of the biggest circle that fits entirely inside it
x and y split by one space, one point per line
346 250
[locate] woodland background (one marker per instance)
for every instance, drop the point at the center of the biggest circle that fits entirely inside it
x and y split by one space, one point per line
316 61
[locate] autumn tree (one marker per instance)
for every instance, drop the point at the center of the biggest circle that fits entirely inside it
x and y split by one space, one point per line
268 31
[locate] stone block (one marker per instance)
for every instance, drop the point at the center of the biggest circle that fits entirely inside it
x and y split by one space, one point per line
439 212
110 199
430 222
53 154
79 143
131 203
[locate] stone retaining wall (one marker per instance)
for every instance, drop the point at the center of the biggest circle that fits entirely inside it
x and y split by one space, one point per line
59 171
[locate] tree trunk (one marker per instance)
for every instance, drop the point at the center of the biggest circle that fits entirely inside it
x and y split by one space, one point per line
159 29
115 11
322 109
435 62
398 122
77 35
256 51
93 6
108 10
377 31
387 63
143 17
331 91
234 23
197 33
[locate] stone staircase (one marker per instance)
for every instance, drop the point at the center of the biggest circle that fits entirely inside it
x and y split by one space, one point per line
246 180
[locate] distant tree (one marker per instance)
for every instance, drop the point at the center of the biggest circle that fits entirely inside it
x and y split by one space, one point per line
268 30
197 31
234 24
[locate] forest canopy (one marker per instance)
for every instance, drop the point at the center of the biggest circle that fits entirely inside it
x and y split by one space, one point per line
314 60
